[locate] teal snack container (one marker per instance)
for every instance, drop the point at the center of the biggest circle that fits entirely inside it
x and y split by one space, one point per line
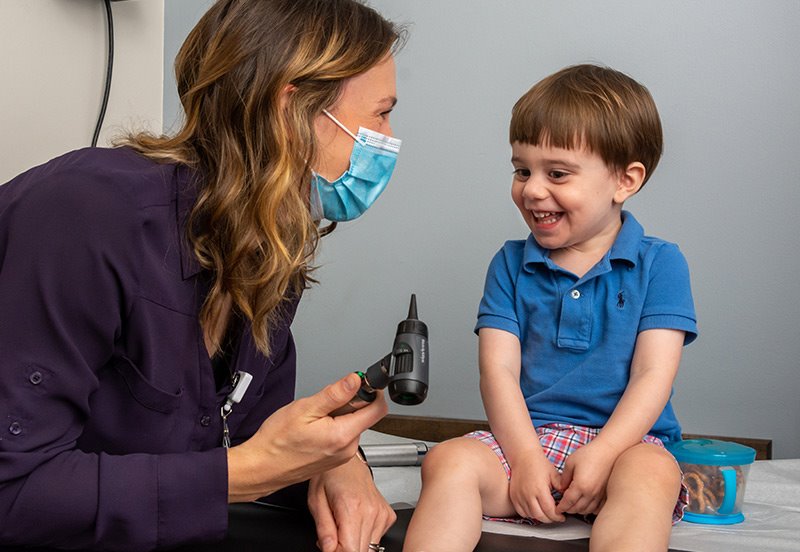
715 473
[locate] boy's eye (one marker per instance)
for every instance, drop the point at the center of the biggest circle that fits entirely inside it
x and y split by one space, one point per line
557 175
522 174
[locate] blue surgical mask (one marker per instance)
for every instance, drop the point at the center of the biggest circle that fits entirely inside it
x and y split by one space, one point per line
371 164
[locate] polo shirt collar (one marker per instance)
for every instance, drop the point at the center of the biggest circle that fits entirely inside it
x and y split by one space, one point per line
534 253
625 247
187 190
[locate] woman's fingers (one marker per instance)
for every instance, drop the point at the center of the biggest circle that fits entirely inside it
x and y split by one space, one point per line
332 396
348 496
327 537
301 440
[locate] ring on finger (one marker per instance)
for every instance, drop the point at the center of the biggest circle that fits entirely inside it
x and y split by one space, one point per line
376 547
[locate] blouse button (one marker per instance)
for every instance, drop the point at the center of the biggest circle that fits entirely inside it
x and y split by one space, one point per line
205 421
15 428
575 294
36 378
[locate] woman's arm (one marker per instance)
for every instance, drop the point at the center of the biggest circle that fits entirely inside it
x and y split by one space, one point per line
70 241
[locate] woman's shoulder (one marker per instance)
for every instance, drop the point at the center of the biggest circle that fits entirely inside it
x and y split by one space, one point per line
103 173
101 184
90 196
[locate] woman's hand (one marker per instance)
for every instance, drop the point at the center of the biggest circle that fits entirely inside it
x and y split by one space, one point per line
585 477
300 441
349 511
532 480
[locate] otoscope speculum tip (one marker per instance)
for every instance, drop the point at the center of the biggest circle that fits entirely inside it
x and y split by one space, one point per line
412 308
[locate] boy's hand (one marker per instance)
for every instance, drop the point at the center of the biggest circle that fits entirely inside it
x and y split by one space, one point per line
532 480
585 477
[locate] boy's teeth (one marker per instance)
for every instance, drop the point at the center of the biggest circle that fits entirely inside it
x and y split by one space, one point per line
547 217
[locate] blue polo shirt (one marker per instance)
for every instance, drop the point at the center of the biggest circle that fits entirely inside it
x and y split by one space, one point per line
577 335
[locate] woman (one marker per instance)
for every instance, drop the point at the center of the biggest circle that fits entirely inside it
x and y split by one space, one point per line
144 288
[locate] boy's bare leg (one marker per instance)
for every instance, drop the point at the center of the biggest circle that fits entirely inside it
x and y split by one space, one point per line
640 497
461 479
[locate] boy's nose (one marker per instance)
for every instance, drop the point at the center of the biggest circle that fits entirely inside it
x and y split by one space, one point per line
535 188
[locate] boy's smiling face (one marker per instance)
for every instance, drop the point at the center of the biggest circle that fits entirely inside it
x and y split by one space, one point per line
569 198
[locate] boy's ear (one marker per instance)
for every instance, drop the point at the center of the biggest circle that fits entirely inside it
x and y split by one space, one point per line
630 181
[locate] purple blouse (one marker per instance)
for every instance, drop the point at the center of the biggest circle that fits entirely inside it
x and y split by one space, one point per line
110 428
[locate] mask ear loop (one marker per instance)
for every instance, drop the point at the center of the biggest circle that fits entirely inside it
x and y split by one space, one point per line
325 230
340 125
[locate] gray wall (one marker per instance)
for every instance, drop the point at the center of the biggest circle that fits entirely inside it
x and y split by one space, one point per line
725 76
52 70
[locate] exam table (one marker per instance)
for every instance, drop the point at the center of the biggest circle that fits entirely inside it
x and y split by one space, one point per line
771 509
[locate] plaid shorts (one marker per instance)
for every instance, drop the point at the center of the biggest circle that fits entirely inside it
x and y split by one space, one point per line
558 442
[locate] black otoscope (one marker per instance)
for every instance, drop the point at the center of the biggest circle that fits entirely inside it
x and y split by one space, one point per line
404 370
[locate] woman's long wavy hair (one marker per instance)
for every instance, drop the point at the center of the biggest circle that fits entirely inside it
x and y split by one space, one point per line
253 143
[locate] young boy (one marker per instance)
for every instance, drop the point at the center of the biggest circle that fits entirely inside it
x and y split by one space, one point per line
580 331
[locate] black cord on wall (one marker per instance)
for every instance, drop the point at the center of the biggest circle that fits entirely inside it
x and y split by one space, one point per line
109 68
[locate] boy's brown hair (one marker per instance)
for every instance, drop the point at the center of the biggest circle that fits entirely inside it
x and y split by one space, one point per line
595 107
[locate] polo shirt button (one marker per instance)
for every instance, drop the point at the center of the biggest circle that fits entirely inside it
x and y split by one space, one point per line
15 428
35 378
205 421
575 294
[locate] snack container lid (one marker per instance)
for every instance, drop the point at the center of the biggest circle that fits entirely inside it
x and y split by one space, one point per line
711 452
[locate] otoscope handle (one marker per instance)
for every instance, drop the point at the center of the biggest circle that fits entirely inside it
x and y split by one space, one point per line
376 377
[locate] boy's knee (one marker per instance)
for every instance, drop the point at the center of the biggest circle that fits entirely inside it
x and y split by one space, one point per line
453 456
651 465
